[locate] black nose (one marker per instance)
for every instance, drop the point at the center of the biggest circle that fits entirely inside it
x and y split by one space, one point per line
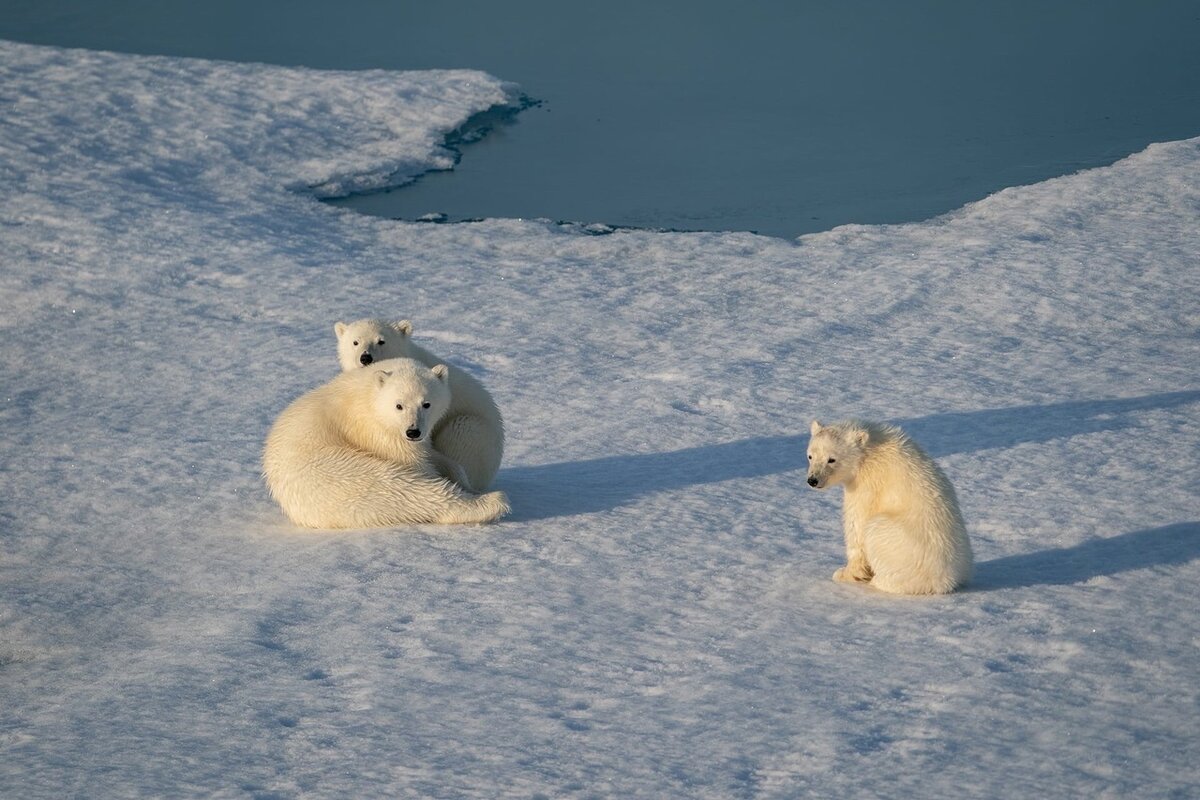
812 481
365 359
413 433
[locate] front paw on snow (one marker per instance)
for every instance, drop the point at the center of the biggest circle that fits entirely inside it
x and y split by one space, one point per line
847 575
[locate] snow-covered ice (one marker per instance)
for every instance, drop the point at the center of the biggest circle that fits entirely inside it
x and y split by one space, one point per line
656 618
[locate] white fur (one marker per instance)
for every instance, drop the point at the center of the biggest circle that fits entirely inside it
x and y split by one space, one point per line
355 453
472 431
904 532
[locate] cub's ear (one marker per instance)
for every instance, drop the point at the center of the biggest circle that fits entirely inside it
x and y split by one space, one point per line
860 437
815 428
403 327
442 372
339 328
381 377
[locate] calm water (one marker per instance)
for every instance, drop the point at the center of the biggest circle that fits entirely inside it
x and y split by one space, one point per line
778 117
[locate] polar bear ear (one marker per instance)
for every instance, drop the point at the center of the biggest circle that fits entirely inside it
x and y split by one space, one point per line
403 327
339 328
860 437
441 371
381 377
815 428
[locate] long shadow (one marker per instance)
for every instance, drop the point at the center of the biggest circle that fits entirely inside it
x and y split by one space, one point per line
969 431
1153 547
600 484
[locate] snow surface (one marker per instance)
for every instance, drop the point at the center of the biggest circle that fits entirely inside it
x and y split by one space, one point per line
656 618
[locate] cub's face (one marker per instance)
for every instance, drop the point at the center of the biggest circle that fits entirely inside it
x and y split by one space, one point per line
366 341
411 398
833 455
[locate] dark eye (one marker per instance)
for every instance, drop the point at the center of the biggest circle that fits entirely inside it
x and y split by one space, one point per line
356 343
810 456
399 407
381 342
424 405
833 461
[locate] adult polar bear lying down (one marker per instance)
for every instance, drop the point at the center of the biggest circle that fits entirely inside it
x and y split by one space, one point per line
471 433
356 453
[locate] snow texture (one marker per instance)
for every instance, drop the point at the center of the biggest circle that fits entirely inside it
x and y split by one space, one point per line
656 618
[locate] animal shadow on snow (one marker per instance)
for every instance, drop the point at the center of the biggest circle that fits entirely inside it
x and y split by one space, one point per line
1153 547
601 484
968 431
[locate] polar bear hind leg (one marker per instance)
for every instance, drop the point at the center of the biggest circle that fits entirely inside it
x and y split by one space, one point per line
903 558
471 443
386 496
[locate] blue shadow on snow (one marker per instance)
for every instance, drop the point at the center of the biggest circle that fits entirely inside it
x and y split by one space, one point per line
601 484
1153 547
969 431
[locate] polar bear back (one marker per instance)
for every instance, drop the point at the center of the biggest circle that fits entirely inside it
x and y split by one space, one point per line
896 476
914 535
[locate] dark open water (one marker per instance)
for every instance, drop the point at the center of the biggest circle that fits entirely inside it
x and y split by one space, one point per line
773 116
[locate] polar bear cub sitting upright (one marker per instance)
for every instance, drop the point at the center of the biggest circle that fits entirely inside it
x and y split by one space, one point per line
355 453
904 532
471 433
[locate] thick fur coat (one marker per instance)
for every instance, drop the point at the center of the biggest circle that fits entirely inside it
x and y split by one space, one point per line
356 453
903 529
471 433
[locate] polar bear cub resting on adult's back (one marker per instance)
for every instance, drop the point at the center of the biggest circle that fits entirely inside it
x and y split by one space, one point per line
904 532
355 453
471 432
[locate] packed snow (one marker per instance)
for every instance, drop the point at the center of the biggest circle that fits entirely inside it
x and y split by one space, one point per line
656 618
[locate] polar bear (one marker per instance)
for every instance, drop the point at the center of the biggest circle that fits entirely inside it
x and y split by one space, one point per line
356 453
471 433
904 532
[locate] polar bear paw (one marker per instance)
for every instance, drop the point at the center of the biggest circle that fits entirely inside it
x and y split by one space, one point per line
853 574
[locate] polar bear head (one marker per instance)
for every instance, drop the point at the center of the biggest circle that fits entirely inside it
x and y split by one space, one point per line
410 398
365 341
835 453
